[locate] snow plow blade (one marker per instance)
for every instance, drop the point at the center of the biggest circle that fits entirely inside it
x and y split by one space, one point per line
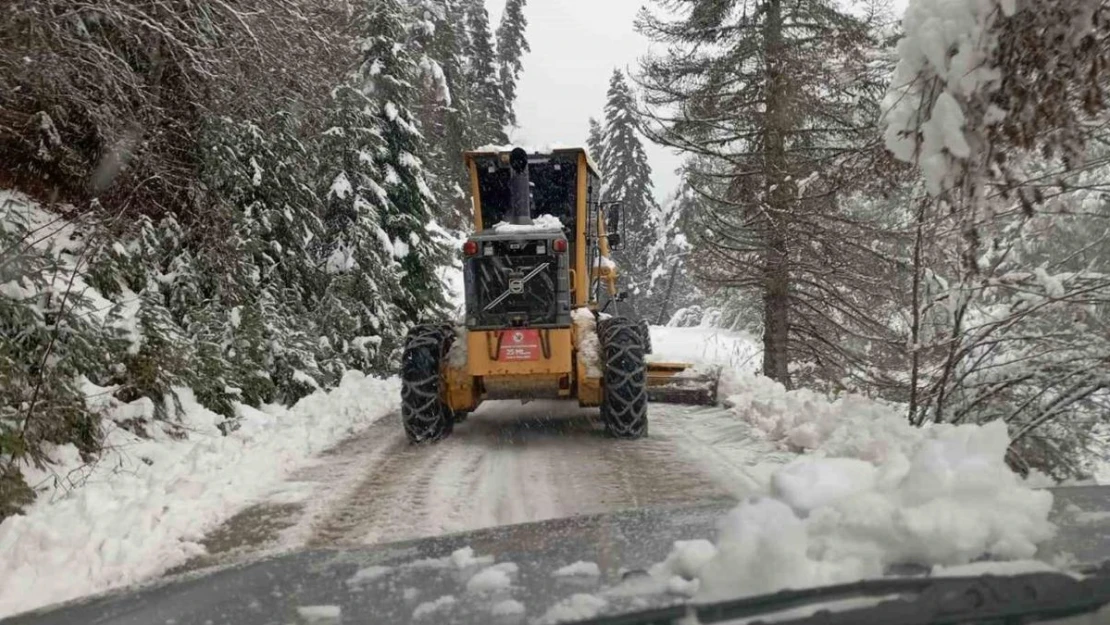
677 383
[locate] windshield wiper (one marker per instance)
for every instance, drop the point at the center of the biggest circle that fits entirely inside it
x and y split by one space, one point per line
920 601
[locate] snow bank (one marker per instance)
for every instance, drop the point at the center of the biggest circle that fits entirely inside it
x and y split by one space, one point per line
543 223
870 491
867 491
852 426
142 508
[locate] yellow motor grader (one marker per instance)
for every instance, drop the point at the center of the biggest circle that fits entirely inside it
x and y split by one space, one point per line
535 271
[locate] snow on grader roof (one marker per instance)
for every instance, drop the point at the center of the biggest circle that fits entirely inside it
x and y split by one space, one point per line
539 149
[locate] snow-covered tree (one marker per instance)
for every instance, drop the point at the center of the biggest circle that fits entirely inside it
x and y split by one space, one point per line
1008 311
775 97
595 141
378 202
628 180
512 44
671 283
488 110
443 110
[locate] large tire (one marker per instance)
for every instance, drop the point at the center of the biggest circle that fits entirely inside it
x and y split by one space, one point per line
423 413
624 393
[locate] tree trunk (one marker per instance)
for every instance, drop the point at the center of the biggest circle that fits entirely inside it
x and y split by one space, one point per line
779 195
915 329
666 303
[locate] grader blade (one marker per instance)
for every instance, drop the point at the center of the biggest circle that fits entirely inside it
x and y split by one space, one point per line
678 383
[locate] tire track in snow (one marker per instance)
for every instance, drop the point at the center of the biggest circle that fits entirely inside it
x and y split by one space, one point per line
724 446
511 463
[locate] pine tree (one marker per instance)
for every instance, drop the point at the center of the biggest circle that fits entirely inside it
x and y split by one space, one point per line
378 204
595 142
628 180
777 97
355 302
671 286
389 74
511 47
488 111
443 110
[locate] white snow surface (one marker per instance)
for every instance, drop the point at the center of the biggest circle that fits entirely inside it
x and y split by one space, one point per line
942 497
429 608
541 149
988 567
577 607
586 569
705 346
507 607
366 575
865 491
605 262
492 579
313 614
464 558
946 43
542 223
123 520
589 346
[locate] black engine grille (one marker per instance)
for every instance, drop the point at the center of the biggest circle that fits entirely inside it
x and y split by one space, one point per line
518 290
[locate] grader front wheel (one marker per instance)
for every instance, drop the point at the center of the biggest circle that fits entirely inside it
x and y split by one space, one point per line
425 417
624 397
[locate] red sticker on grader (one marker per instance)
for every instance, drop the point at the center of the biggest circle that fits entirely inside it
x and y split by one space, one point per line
517 345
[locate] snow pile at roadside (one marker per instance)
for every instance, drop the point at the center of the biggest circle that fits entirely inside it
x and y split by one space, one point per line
850 425
941 497
543 223
868 491
143 506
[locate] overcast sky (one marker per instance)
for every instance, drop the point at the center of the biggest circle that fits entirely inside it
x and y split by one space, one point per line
575 46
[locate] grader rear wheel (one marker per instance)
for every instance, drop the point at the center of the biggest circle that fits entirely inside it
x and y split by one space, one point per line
624 397
424 415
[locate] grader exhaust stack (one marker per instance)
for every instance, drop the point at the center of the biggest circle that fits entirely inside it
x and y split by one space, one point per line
534 271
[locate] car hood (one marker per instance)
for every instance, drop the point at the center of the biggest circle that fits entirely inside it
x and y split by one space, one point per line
434 579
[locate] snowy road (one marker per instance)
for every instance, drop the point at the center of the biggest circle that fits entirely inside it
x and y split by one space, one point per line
508 463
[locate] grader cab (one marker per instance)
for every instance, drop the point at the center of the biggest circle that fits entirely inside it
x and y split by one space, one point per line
535 272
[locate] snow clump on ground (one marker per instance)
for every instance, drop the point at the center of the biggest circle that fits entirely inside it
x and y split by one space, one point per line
587 569
492 579
429 608
577 607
